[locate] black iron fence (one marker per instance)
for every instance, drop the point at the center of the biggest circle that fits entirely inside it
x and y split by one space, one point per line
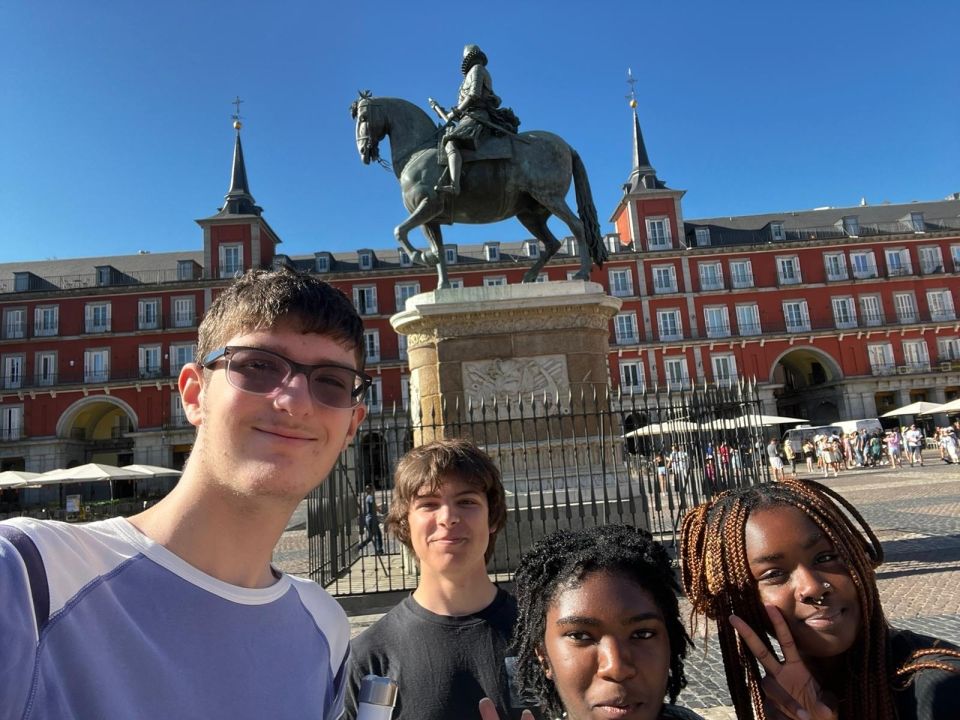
584 460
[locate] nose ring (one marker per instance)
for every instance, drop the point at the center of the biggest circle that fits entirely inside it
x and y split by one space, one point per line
819 601
827 586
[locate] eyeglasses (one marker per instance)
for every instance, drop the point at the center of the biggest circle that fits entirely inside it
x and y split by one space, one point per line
262 372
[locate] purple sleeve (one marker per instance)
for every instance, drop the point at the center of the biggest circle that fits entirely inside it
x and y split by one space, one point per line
18 628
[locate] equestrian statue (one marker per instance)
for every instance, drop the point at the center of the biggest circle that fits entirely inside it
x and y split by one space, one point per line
475 168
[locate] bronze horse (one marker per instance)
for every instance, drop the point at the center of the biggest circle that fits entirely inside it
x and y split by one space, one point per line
531 186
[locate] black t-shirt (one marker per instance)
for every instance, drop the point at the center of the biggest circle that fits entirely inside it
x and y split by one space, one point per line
931 694
443 665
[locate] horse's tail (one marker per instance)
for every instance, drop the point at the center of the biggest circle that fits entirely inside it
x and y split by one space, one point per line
587 211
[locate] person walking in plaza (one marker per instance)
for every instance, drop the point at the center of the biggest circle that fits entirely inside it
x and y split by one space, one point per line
892 441
914 442
948 444
446 644
791 456
178 611
371 520
809 454
796 562
599 633
773 456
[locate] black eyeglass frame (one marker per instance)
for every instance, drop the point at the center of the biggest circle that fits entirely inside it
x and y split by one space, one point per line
296 368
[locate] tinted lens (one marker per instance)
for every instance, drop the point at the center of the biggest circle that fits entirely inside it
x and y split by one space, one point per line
257 372
337 387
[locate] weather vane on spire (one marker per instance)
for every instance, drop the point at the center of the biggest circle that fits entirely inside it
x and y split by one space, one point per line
632 82
236 115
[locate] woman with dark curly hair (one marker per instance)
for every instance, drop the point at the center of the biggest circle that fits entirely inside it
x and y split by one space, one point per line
795 561
598 631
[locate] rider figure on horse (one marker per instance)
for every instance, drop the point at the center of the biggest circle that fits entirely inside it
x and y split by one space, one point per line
476 113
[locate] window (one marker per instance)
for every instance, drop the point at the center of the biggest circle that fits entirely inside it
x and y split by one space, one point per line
572 248
13 372
851 225
183 311
724 369
178 418
46 368
365 259
675 368
621 283
748 319
864 264
531 249
371 345
703 236
491 251
14 323
96 366
658 233
450 251
898 263
402 291
948 348
97 317
915 355
669 324
905 306
836 264
402 346
718 321
871 310
711 276
917 223
231 260
881 359
494 281
405 259
931 260
788 270
180 355
776 231
844 313
572 274
664 279
741 273
321 263
456 283
542 278
405 391
365 299
955 257
186 270
374 397
796 316
631 376
46 320
148 314
940 303
625 327
11 422
149 361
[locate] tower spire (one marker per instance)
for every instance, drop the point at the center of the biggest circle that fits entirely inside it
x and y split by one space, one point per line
642 175
239 201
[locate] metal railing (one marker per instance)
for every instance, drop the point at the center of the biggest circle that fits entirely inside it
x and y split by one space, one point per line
569 462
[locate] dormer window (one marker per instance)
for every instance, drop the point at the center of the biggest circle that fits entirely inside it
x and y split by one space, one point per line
531 249
450 251
321 262
917 223
186 270
104 273
851 226
703 236
491 252
365 259
404 259
658 233
571 246
281 261
776 231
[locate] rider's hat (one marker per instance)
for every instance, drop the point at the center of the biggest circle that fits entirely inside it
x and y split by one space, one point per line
472 54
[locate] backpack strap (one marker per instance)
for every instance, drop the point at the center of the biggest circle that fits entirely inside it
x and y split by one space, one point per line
36 572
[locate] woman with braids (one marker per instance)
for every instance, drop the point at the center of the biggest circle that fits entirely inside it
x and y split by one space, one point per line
598 631
794 560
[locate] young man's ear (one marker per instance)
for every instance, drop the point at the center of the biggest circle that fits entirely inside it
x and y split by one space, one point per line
359 413
190 384
544 662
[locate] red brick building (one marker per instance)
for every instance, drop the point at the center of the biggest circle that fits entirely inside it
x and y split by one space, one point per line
837 313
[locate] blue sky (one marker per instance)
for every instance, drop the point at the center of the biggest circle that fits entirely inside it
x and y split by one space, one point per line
115 116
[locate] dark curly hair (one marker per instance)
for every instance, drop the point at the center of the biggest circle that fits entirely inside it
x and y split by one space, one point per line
565 558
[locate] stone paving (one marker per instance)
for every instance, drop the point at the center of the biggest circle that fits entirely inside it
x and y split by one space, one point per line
915 513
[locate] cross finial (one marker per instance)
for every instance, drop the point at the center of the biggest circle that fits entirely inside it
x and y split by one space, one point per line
632 82
236 115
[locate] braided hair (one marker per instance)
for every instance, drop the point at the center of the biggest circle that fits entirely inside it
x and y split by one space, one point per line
717 580
562 560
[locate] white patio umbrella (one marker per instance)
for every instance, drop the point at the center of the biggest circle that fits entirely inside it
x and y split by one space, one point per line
762 419
16 478
664 428
950 407
153 470
916 408
91 472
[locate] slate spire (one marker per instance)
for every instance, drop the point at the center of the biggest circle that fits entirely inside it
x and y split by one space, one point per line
239 201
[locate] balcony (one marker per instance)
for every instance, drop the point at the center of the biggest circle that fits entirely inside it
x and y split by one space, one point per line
90 280
872 319
903 270
711 282
14 330
149 322
943 315
11 434
865 273
679 383
626 338
903 369
837 277
621 291
664 289
150 373
788 280
670 335
718 331
908 317
751 328
741 280
797 326
931 269
92 327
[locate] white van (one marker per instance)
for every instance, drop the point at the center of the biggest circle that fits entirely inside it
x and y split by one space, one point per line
871 425
799 435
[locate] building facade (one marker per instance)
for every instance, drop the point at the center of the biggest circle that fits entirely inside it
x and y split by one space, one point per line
836 313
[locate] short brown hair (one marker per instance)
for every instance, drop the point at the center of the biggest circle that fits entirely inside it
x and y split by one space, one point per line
430 466
260 299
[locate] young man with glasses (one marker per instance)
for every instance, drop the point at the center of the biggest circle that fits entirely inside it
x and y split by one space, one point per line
178 611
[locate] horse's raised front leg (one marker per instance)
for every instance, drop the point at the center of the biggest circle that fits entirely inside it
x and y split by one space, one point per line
536 222
435 236
425 211
558 206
